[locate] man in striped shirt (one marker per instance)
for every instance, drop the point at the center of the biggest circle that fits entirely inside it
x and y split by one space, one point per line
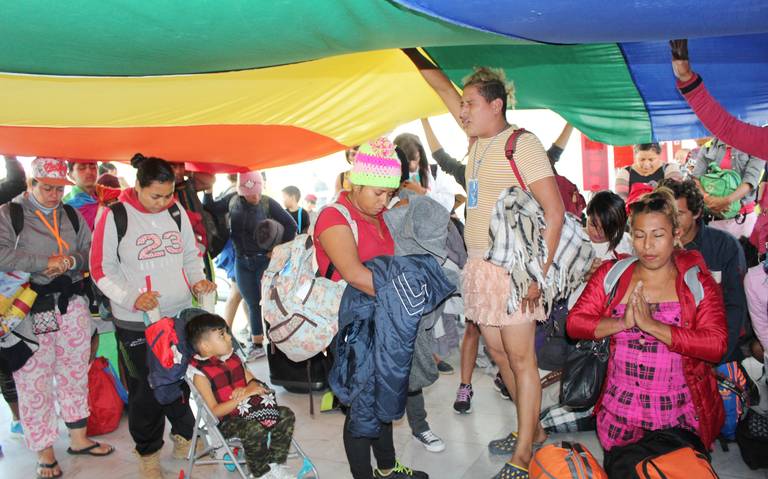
481 112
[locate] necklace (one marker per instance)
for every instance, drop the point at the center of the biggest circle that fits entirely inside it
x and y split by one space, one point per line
475 163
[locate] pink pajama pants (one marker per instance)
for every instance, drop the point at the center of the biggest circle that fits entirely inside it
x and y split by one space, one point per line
63 358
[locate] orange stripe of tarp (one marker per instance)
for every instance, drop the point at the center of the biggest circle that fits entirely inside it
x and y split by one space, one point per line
251 146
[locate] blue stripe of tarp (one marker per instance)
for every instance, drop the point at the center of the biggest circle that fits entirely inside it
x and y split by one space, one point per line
591 21
734 69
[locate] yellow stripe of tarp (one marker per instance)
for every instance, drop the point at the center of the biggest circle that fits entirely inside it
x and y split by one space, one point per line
348 98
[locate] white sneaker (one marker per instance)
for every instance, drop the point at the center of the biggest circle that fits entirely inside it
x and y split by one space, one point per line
430 441
279 471
255 352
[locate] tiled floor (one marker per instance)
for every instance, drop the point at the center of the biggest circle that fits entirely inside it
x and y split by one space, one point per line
466 436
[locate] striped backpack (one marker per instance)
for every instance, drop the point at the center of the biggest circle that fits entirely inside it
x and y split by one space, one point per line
301 308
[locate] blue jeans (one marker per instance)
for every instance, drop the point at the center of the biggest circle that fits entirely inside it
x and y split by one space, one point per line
248 272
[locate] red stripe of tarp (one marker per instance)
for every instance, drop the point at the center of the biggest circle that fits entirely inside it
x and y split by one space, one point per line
249 146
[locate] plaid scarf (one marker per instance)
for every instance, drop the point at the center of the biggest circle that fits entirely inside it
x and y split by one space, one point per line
517 245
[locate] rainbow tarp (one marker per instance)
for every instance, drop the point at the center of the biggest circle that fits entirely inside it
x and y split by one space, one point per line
262 84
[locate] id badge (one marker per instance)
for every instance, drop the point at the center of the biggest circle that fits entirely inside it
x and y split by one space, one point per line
472 190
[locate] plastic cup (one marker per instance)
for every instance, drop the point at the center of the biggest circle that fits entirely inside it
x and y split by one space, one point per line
153 315
207 301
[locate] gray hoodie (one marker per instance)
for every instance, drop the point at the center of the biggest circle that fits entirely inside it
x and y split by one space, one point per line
36 242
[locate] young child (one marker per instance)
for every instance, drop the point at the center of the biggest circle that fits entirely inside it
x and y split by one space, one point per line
245 405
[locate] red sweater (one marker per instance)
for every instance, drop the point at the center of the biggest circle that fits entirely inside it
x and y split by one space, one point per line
701 338
750 139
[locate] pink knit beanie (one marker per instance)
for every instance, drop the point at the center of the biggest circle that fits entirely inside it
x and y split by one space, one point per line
376 164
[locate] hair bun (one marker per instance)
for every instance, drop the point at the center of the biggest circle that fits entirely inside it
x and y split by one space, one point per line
137 160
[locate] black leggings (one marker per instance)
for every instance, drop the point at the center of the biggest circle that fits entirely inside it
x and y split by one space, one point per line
358 451
146 416
8 386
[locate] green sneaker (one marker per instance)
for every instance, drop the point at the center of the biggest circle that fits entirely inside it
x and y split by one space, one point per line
401 472
329 402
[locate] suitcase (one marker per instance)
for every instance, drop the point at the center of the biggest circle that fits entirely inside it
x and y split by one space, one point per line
301 377
305 377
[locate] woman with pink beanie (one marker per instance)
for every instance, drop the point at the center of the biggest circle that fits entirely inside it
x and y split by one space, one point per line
375 176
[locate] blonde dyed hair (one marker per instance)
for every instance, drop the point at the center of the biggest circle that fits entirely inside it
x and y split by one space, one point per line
492 83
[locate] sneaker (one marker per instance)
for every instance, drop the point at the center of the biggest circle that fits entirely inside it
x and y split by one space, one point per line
482 362
498 384
255 351
401 472
16 428
463 403
279 471
430 441
444 368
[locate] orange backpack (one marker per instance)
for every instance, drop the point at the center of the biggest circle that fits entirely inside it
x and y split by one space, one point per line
683 463
568 460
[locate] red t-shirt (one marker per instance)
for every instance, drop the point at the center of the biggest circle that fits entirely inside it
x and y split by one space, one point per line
369 243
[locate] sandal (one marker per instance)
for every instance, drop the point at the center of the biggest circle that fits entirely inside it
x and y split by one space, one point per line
52 465
512 471
89 451
507 445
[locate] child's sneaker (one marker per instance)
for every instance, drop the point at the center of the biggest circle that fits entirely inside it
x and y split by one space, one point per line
16 428
463 403
498 384
401 472
278 471
431 441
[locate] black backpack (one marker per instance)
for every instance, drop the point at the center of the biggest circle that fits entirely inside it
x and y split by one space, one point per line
17 217
121 219
752 437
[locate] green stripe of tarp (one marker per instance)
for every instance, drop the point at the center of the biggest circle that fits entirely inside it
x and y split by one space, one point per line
588 85
149 37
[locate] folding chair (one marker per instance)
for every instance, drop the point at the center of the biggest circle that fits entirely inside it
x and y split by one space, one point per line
206 430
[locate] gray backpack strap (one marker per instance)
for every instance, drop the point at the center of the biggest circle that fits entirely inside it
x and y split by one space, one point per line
691 278
692 281
345 213
614 274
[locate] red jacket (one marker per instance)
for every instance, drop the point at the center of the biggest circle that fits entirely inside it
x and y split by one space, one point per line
701 338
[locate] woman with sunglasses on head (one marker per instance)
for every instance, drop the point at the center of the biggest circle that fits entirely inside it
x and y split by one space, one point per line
664 336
